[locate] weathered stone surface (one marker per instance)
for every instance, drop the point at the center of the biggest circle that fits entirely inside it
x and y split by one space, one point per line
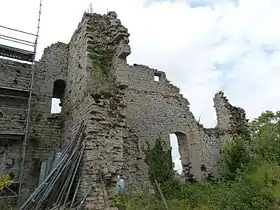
122 106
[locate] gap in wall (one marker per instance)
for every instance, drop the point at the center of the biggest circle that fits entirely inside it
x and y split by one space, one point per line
58 94
55 108
176 157
156 78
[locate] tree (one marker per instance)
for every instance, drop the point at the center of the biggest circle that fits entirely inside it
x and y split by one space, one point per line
265 133
159 160
235 158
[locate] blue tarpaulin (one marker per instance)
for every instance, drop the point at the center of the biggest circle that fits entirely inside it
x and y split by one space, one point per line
120 186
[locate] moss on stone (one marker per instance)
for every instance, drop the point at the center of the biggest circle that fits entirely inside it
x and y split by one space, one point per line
102 63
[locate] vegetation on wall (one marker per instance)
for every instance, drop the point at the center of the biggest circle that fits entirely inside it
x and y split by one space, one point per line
250 178
5 181
102 63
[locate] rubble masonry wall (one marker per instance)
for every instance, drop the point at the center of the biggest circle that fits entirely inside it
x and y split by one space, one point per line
122 111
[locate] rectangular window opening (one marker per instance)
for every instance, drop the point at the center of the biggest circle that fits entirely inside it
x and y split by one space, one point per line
156 77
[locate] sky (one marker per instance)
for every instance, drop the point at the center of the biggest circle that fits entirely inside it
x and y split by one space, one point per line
203 45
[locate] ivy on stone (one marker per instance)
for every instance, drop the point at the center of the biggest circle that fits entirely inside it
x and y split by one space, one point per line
102 62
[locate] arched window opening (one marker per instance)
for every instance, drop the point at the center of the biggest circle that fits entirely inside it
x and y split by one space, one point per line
179 151
176 157
58 94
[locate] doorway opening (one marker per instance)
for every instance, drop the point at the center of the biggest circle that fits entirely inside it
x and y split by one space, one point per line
179 151
176 157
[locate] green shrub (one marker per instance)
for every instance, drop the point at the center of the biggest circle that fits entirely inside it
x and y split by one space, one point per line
235 159
159 160
5 181
249 179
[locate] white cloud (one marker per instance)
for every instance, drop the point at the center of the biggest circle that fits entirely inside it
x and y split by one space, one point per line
186 42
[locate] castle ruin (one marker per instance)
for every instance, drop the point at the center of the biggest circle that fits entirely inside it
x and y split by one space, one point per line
122 106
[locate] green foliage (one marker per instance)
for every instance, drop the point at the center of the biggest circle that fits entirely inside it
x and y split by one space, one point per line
250 174
265 131
255 190
102 62
159 160
145 201
5 181
235 158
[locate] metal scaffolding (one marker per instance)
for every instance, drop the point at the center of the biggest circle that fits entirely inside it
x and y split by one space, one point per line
21 55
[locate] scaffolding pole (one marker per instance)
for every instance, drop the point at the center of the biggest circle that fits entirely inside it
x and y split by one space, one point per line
20 41
12 29
24 143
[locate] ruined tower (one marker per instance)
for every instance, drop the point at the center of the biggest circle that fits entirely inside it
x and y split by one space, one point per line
122 105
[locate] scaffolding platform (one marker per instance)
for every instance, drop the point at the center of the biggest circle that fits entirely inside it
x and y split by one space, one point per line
11 135
13 97
17 125
16 53
14 93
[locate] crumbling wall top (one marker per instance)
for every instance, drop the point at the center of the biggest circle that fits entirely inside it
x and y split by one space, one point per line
144 78
229 117
52 47
112 14
54 62
105 28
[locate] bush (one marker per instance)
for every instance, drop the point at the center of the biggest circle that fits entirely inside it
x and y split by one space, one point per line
5 181
235 159
249 175
159 160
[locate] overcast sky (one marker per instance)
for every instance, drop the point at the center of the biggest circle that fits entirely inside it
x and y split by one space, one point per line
202 45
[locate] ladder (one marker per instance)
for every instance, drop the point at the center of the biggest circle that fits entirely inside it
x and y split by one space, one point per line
16 95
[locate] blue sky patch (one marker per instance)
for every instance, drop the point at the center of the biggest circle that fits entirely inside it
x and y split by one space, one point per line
200 3
225 68
209 3
158 0
149 2
269 49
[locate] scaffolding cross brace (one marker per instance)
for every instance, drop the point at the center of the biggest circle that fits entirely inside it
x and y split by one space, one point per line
21 55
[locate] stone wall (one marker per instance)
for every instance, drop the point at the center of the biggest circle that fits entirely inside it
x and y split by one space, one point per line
93 96
156 109
45 128
14 80
122 106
